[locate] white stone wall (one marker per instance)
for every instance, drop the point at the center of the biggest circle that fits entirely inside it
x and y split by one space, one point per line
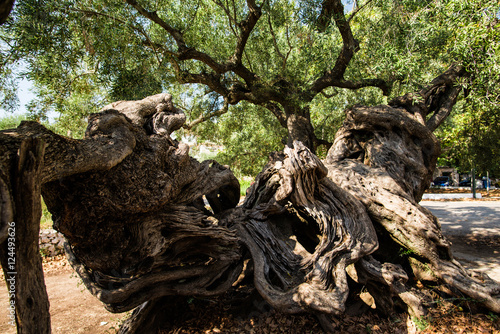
51 242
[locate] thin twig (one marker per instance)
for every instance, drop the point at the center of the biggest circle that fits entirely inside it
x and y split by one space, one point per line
357 10
232 21
275 42
132 27
202 118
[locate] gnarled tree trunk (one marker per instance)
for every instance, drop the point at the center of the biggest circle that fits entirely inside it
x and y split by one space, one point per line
144 221
19 252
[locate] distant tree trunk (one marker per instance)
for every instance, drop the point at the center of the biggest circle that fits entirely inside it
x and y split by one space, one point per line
300 128
144 221
5 9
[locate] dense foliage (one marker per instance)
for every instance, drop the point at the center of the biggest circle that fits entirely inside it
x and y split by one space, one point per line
241 69
471 138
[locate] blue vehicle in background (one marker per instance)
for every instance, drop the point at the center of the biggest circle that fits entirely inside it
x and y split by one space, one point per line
465 183
486 182
442 181
483 183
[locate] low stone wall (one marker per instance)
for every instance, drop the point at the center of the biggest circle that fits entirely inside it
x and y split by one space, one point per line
51 242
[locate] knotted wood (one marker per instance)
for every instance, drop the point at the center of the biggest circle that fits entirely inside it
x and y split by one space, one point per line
145 222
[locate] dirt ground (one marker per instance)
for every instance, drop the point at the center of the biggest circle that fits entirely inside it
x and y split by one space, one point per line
473 227
74 310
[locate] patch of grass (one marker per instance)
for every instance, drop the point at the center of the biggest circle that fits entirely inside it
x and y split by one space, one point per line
118 322
80 283
422 323
11 122
44 253
493 317
245 183
404 252
46 219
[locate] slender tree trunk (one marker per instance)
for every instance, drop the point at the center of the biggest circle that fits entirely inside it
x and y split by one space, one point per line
300 128
19 253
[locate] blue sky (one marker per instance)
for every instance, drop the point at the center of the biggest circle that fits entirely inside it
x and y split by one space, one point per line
25 95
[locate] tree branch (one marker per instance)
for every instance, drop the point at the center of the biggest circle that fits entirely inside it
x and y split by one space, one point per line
379 83
321 142
350 46
141 31
209 79
238 91
335 93
5 9
325 17
277 112
290 47
354 85
232 20
438 98
184 52
202 118
335 76
187 53
246 27
357 10
446 103
234 94
153 16
275 42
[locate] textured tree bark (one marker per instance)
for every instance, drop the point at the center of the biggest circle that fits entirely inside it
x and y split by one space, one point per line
19 252
303 231
300 129
385 157
30 156
145 222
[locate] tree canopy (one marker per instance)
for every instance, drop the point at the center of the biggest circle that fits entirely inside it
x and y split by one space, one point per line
295 65
132 203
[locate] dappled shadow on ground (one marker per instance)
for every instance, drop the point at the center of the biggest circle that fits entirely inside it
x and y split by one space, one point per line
478 253
489 245
243 312
463 218
473 227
